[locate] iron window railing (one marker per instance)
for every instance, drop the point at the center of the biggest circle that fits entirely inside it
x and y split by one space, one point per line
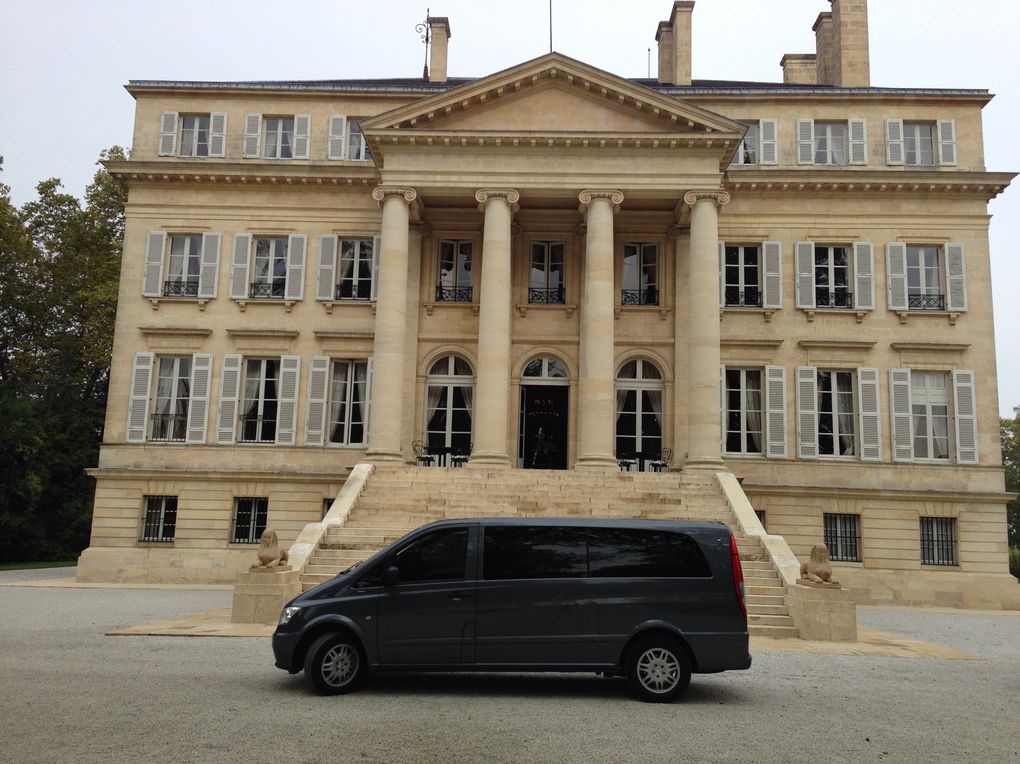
266 290
250 517
258 429
743 298
550 296
938 541
169 428
842 535
160 522
839 298
346 291
646 296
926 302
453 294
180 288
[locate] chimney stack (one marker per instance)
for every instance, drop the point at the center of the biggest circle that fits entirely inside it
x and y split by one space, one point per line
851 59
824 49
799 69
439 43
674 38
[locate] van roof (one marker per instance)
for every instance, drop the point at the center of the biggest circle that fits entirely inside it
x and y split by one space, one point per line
585 522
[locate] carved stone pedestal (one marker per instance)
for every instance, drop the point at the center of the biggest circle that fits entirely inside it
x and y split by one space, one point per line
261 593
823 612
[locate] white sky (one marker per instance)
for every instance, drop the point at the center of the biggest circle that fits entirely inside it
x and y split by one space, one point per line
63 64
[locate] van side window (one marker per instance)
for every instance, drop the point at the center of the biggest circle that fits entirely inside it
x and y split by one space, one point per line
538 552
439 556
625 552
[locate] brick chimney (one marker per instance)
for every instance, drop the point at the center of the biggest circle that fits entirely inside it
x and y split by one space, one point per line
824 53
851 59
438 46
674 38
799 69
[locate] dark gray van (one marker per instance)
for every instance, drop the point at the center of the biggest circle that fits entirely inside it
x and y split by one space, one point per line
653 601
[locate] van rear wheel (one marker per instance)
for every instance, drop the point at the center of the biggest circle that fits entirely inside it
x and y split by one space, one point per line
658 670
334 664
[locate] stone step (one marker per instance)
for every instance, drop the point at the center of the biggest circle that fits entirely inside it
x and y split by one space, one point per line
769 620
765 599
755 608
761 579
768 591
773 632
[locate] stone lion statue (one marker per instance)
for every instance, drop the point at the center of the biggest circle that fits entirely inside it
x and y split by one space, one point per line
817 569
271 555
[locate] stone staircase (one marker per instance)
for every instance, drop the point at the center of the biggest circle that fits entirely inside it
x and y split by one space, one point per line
396 500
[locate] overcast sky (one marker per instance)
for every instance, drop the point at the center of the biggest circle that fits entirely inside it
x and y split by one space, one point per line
63 64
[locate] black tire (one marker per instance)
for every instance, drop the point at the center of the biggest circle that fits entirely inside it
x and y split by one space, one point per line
335 664
657 669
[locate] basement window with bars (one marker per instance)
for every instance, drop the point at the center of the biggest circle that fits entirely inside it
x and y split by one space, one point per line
160 521
250 516
938 541
842 536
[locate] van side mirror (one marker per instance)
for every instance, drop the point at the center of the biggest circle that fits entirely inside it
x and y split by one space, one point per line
391 575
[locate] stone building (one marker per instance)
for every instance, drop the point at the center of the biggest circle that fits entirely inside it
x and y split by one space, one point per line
556 268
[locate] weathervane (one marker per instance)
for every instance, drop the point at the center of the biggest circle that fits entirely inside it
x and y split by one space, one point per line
425 30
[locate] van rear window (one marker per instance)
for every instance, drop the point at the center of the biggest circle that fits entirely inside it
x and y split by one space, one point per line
567 552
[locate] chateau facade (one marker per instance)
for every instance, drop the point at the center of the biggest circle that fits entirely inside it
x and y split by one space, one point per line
552 267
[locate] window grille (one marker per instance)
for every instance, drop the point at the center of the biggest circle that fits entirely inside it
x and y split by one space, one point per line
843 537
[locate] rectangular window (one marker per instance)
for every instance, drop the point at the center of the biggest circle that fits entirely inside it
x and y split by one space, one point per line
743 411
269 268
347 399
357 146
546 282
355 271
742 276
836 413
194 139
261 400
250 519
171 398
640 274
842 536
924 279
761 518
833 277
183 266
938 541
747 152
919 141
278 137
831 143
929 403
454 282
160 521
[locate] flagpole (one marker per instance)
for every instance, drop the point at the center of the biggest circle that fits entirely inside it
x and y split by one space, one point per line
550 26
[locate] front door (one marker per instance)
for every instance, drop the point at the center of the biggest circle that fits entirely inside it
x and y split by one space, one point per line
543 427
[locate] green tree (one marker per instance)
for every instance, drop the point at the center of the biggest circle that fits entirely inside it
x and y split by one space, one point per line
1010 430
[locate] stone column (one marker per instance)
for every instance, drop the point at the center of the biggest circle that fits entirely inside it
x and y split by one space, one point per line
390 326
596 383
703 356
492 388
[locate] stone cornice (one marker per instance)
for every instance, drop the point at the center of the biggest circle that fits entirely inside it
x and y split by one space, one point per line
263 334
931 347
814 180
253 174
750 342
174 331
873 493
835 344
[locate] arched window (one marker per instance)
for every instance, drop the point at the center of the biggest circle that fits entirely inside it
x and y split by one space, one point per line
547 368
639 410
449 398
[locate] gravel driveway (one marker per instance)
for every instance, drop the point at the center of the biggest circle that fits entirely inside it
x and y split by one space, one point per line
72 694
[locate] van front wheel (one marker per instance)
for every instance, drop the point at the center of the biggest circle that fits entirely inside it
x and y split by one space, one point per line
657 669
334 664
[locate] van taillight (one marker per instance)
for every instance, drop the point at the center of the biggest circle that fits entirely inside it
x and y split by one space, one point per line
738 574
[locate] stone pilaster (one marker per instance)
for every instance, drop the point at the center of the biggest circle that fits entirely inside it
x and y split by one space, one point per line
596 383
703 356
492 386
390 325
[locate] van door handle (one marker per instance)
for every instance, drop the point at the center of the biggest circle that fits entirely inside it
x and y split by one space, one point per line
458 596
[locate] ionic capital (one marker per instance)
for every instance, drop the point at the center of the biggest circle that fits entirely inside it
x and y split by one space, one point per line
676 231
718 195
483 195
587 196
381 192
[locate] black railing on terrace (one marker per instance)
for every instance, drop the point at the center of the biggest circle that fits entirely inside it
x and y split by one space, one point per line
834 299
746 298
266 291
345 290
552 296
180 288
169 427
646 296
257 429
453 294
926 302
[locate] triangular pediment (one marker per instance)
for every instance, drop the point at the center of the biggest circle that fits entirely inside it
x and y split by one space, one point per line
553 96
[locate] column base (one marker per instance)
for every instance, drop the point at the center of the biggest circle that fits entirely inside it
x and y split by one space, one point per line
601 463
489 460
384 457
707 465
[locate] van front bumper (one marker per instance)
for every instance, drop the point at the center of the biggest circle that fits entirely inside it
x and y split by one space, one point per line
284 646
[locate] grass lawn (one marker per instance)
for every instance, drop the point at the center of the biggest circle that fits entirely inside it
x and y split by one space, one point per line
33 565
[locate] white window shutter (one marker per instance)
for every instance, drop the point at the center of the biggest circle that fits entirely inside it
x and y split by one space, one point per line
947 141
168 134
964 406
807 412
295 286
772 294
152 279
230 392
805 141
337 137
252 135
956 279
318 391
368 396
722 409
302 129
896 275
198 405
900 415
722 274
805 257
775 411
138 404
894 141
286 417
209 271
239 267
768 132
218 134
376 253
864 276
870 415
325 285
858 129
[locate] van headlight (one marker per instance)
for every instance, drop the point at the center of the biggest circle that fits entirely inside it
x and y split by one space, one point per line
287 614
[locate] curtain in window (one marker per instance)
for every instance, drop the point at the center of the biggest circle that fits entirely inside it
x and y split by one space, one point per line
845 388
468 393
358 395
754 418
435 394
337 400
251 392
164 394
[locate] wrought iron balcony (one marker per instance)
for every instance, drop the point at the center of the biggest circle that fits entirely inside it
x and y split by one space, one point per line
552 296
926 302
169 428
346 290
837 298
743 298
180 288
453 294
646 296
257 429
266 290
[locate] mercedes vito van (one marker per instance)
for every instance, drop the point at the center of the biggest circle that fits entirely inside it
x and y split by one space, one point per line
652 601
